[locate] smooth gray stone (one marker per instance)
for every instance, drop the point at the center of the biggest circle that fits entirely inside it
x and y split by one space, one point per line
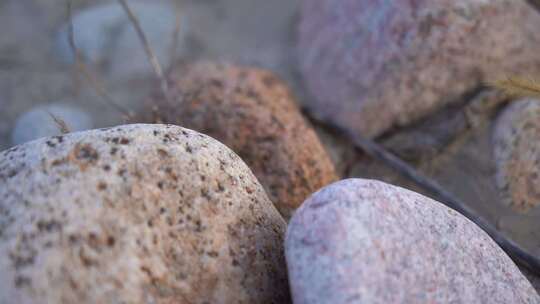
364 241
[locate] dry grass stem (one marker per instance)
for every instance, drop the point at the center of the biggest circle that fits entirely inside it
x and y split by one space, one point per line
174 43
62 125
518 87
154 62
83 69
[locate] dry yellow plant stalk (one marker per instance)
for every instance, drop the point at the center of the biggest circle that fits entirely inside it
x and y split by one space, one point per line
518 86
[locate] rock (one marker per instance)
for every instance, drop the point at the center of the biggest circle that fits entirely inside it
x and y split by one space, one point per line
38 122
255 33
106 37
252 112
516 150
375 65
136 214
442 131
363 241
533 278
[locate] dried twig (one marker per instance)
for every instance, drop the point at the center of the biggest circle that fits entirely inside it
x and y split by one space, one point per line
82 68
175 34
62 125
518 87
376 151
148 49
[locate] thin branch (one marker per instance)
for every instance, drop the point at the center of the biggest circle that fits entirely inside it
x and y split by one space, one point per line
154 62
374 150
71 35
83 69
175 34
60 123
518 87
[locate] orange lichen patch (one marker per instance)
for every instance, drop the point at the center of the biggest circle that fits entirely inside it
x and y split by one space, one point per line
84 155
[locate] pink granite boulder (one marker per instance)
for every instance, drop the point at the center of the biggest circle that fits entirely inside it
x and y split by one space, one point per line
136 214
372 65
363 241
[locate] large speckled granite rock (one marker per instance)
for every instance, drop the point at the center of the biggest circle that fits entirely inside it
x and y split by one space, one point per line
363 241
516 150
254 113
136 214
372 65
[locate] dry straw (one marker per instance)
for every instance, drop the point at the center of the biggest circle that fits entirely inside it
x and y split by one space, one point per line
60 123
154 62
518 86
83 69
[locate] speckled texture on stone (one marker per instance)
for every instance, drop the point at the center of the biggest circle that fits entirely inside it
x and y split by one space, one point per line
252 112
364 241
136 214
372 65
516 150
